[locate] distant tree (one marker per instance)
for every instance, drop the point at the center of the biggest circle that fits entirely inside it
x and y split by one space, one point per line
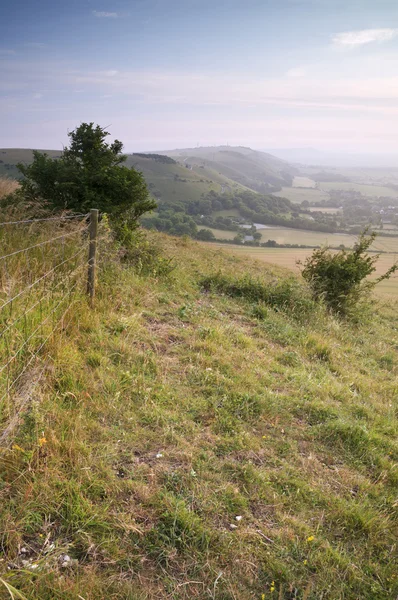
205 235
238 239
89 174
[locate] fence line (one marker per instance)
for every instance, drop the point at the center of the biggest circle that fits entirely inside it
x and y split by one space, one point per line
29 221
41 283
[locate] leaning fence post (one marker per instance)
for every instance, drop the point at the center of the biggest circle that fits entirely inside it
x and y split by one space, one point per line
92 250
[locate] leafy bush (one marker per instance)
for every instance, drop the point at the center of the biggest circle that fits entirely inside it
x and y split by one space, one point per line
340 278
286 295
90 173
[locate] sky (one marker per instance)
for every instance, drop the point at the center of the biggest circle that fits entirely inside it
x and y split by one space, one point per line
163 74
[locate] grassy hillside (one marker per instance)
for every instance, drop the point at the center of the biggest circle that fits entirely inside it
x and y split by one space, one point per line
189 444
256 170
175 182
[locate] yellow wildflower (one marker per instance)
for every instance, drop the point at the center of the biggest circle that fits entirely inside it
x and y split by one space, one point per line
310 538
16 447
305 562
272 588
42 441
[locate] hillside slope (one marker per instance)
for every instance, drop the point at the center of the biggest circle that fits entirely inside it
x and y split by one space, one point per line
256 170
187 444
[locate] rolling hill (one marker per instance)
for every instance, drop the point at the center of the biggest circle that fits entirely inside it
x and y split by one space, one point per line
192 173
259 171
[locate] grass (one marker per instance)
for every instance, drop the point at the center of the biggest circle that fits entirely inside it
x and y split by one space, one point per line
170 410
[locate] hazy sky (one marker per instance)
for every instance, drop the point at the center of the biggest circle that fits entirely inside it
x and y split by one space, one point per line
174 73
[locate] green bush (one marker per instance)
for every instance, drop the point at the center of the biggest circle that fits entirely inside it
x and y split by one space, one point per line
89 174
340 278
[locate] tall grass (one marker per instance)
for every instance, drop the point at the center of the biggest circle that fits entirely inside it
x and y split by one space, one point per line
7 186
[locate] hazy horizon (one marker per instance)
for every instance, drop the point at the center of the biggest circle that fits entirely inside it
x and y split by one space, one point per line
266 74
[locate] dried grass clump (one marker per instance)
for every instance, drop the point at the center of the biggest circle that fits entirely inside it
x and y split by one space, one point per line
7 186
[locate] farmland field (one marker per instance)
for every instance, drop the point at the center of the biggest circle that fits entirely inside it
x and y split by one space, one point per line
284 235
296 194
288 257
303 182
366 190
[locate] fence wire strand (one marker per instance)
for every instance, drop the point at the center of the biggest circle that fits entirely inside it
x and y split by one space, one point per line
29 221
29 287
60 237
27 321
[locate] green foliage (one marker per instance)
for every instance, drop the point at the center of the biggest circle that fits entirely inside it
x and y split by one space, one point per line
205 235
89 174
142 253
286 295
339 279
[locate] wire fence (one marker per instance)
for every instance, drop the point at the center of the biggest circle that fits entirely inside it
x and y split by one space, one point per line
43 268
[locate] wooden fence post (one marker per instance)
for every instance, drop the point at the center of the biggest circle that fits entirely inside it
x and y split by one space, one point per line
92 254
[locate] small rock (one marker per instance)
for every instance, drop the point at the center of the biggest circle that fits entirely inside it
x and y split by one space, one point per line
238 518
159 455
233 526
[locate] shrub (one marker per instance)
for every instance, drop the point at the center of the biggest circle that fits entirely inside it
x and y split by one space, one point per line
340 278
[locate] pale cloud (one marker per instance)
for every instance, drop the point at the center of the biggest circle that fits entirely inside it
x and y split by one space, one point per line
37 96
297 72
101 14
352 39
7 52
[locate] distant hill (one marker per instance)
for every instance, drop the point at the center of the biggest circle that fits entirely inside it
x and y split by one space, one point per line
190 173
259 171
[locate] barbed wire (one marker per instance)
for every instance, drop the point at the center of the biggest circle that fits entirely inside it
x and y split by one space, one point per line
64 235
39 302
35 355
31 336
26 321
29 287
62 218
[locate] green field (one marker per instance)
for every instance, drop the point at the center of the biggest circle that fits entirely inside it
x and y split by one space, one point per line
298 195
366 190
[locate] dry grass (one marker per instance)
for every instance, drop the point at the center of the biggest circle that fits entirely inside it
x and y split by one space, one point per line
7 186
